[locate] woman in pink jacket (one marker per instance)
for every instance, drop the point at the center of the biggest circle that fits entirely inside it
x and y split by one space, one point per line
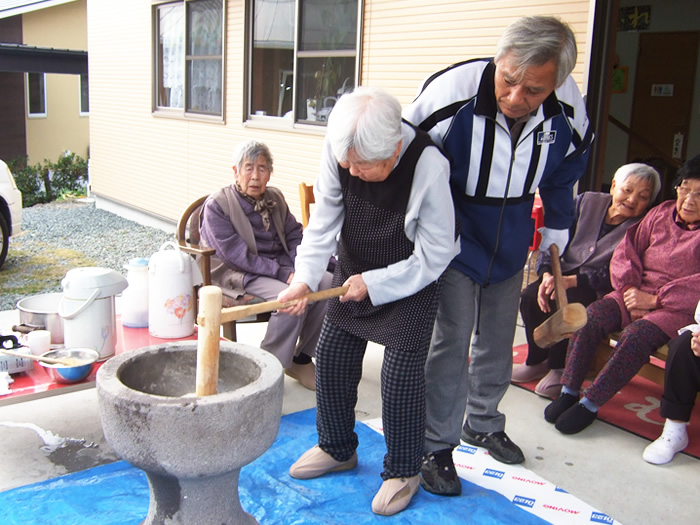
655 273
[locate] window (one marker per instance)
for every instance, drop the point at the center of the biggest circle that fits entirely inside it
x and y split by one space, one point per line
303 57
36 94
189 56
84 96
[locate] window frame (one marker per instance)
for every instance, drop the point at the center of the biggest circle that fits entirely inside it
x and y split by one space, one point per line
279 122
186 60
80 95
45 113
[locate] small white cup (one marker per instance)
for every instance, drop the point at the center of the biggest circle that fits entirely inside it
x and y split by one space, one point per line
39 341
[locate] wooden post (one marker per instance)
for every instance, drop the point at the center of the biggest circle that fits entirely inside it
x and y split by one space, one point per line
208 338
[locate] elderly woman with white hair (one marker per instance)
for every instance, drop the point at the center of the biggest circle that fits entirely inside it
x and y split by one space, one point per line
256 237
383 187
600 223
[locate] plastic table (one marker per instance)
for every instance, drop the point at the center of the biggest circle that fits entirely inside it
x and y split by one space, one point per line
36 383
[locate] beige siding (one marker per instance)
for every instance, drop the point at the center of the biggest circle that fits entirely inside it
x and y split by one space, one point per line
160 164
61 27
405 40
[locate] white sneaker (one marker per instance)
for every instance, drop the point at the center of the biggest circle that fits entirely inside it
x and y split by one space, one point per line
665 447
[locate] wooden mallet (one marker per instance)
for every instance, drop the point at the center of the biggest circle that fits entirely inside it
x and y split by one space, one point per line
567 319
209 320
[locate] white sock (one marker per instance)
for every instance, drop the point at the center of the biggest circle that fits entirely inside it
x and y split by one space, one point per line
675 427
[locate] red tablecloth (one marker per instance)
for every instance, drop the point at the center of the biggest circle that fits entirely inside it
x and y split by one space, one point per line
36 383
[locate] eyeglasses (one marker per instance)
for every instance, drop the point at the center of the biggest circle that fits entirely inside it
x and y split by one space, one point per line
684 192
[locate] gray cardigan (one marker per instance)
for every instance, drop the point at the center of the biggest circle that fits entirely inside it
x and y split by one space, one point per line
233 280
589 251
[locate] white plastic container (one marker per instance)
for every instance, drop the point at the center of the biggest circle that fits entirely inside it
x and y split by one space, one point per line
87 309
172 275
134 303
39 341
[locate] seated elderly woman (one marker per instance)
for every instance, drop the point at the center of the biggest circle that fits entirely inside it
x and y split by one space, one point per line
600 222
655 273
681 387
256 239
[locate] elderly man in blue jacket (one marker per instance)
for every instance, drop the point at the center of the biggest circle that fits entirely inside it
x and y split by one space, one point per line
510 125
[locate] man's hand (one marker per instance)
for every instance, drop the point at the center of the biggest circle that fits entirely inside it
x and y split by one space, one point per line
550 236
357 291
295 291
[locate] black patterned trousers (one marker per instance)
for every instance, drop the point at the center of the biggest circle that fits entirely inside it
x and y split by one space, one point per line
339 358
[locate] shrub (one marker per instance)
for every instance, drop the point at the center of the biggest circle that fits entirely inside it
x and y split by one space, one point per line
46 182
28 181
69 175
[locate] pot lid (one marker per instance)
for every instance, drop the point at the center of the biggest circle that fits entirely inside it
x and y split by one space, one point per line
137 263
80 283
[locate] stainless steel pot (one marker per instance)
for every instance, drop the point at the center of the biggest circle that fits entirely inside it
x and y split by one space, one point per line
40 312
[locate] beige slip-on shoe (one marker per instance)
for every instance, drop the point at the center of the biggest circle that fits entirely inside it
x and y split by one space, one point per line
394 495
305 374
550 385
526 373
315 462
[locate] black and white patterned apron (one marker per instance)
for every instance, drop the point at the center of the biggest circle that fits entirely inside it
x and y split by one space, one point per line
373 237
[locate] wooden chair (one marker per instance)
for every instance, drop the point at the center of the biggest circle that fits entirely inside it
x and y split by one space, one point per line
654 370
537 216
188 238
306 198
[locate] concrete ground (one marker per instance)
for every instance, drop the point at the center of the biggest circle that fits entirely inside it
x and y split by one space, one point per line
602 466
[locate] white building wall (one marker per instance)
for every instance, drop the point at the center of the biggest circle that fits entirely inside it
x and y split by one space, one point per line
159 164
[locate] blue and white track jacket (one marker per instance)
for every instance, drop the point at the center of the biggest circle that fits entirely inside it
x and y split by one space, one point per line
493 183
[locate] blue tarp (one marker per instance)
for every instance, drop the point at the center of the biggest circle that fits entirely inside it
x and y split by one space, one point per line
117 494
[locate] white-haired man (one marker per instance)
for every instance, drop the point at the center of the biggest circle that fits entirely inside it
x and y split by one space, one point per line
510 125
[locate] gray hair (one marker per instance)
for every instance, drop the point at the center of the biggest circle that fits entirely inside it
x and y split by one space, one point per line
368 121
251 150
643 172
535 40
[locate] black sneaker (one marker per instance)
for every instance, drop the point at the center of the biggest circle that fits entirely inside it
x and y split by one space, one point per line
498 444
438 474
575 419
557 407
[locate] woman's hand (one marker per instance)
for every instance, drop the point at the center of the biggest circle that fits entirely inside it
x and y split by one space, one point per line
637 313
635 299
695 343
546 291
357 291
295 291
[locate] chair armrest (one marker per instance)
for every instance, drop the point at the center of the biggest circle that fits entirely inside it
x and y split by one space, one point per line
195 249
205 255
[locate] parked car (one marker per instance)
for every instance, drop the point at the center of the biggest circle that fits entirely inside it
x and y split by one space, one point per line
10 209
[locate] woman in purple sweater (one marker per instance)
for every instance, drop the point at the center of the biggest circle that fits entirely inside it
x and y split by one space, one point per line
256 237
655 273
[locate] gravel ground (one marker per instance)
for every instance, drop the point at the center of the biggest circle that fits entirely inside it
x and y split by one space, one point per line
70 234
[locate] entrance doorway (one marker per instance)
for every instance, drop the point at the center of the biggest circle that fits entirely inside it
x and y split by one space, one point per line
663 98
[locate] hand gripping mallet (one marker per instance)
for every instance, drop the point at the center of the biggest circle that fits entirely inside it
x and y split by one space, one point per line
209 320
567 319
